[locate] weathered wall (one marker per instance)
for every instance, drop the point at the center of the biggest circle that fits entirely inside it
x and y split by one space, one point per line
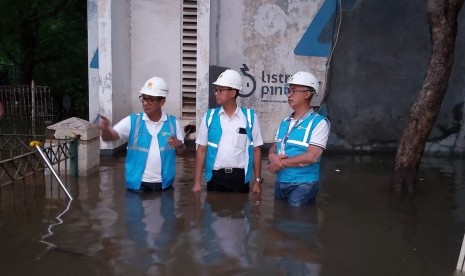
155 37
129 42
92 52
258 38
378 69
121 70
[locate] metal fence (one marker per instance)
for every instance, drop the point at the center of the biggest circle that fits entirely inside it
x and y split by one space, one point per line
28 109
24 172
12 145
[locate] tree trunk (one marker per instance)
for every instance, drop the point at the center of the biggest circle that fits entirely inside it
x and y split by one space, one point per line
442 15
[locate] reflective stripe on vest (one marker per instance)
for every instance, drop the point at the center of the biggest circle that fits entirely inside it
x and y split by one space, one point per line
139 147
297 144
214 138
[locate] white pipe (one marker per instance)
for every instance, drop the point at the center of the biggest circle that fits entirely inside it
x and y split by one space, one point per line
461 261
36 144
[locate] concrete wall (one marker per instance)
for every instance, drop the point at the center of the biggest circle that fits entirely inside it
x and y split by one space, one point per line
258 39
108 72
121 55
204 14
378 69
92 51
129 42
155 37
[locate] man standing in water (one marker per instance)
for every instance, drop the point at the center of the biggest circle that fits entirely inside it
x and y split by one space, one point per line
300 140
228 142
154 140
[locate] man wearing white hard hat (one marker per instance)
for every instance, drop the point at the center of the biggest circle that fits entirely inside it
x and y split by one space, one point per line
228 142
154 140
299 143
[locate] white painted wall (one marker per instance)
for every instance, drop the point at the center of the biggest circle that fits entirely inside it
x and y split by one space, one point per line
121 59
136 40
156 49
203 56
105 68
92 46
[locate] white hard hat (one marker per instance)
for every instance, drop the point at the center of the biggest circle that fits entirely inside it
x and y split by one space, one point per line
155 87
230 78
305 79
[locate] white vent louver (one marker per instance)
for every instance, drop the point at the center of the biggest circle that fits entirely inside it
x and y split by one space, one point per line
189 58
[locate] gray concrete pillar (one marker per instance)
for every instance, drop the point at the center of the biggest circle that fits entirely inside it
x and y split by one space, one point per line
88 142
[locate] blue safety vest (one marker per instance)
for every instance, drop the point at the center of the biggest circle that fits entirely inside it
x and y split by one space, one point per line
138 151
297 143
214 136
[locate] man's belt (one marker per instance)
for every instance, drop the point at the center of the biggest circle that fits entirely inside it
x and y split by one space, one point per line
229 170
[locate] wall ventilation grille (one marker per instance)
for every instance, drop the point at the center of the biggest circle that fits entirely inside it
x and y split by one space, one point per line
189 58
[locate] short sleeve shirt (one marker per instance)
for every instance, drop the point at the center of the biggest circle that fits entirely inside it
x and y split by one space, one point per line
233 145
319 136
152 171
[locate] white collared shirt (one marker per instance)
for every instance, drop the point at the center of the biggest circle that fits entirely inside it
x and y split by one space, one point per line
152 171
232 146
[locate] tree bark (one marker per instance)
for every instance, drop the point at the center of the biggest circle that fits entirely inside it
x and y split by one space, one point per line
442 16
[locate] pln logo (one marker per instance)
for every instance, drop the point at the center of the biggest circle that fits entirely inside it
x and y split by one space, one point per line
249 85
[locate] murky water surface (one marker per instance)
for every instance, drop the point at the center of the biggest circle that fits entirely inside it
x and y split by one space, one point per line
357 226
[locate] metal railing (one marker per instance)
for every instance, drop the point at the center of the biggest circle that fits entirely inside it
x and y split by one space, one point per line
12 145
28 109
62 154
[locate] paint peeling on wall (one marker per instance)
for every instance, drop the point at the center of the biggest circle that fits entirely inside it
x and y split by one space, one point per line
270 30
259 39
269 20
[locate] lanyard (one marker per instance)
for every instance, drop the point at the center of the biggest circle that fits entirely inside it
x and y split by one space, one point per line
286 136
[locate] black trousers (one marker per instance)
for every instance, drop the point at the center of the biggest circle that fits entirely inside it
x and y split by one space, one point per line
228 180
149 187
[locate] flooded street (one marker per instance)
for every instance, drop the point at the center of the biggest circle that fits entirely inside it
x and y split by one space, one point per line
356 228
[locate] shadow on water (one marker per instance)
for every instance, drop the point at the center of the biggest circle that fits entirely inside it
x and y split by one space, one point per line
357 226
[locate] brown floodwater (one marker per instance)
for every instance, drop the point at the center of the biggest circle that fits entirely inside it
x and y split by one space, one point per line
357 227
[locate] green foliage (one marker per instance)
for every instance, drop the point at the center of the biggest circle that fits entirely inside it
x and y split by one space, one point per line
46 41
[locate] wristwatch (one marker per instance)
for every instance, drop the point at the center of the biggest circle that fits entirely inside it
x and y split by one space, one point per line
259 179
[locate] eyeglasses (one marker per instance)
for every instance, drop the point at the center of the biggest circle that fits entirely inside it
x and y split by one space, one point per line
219 91
293 90
150 100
